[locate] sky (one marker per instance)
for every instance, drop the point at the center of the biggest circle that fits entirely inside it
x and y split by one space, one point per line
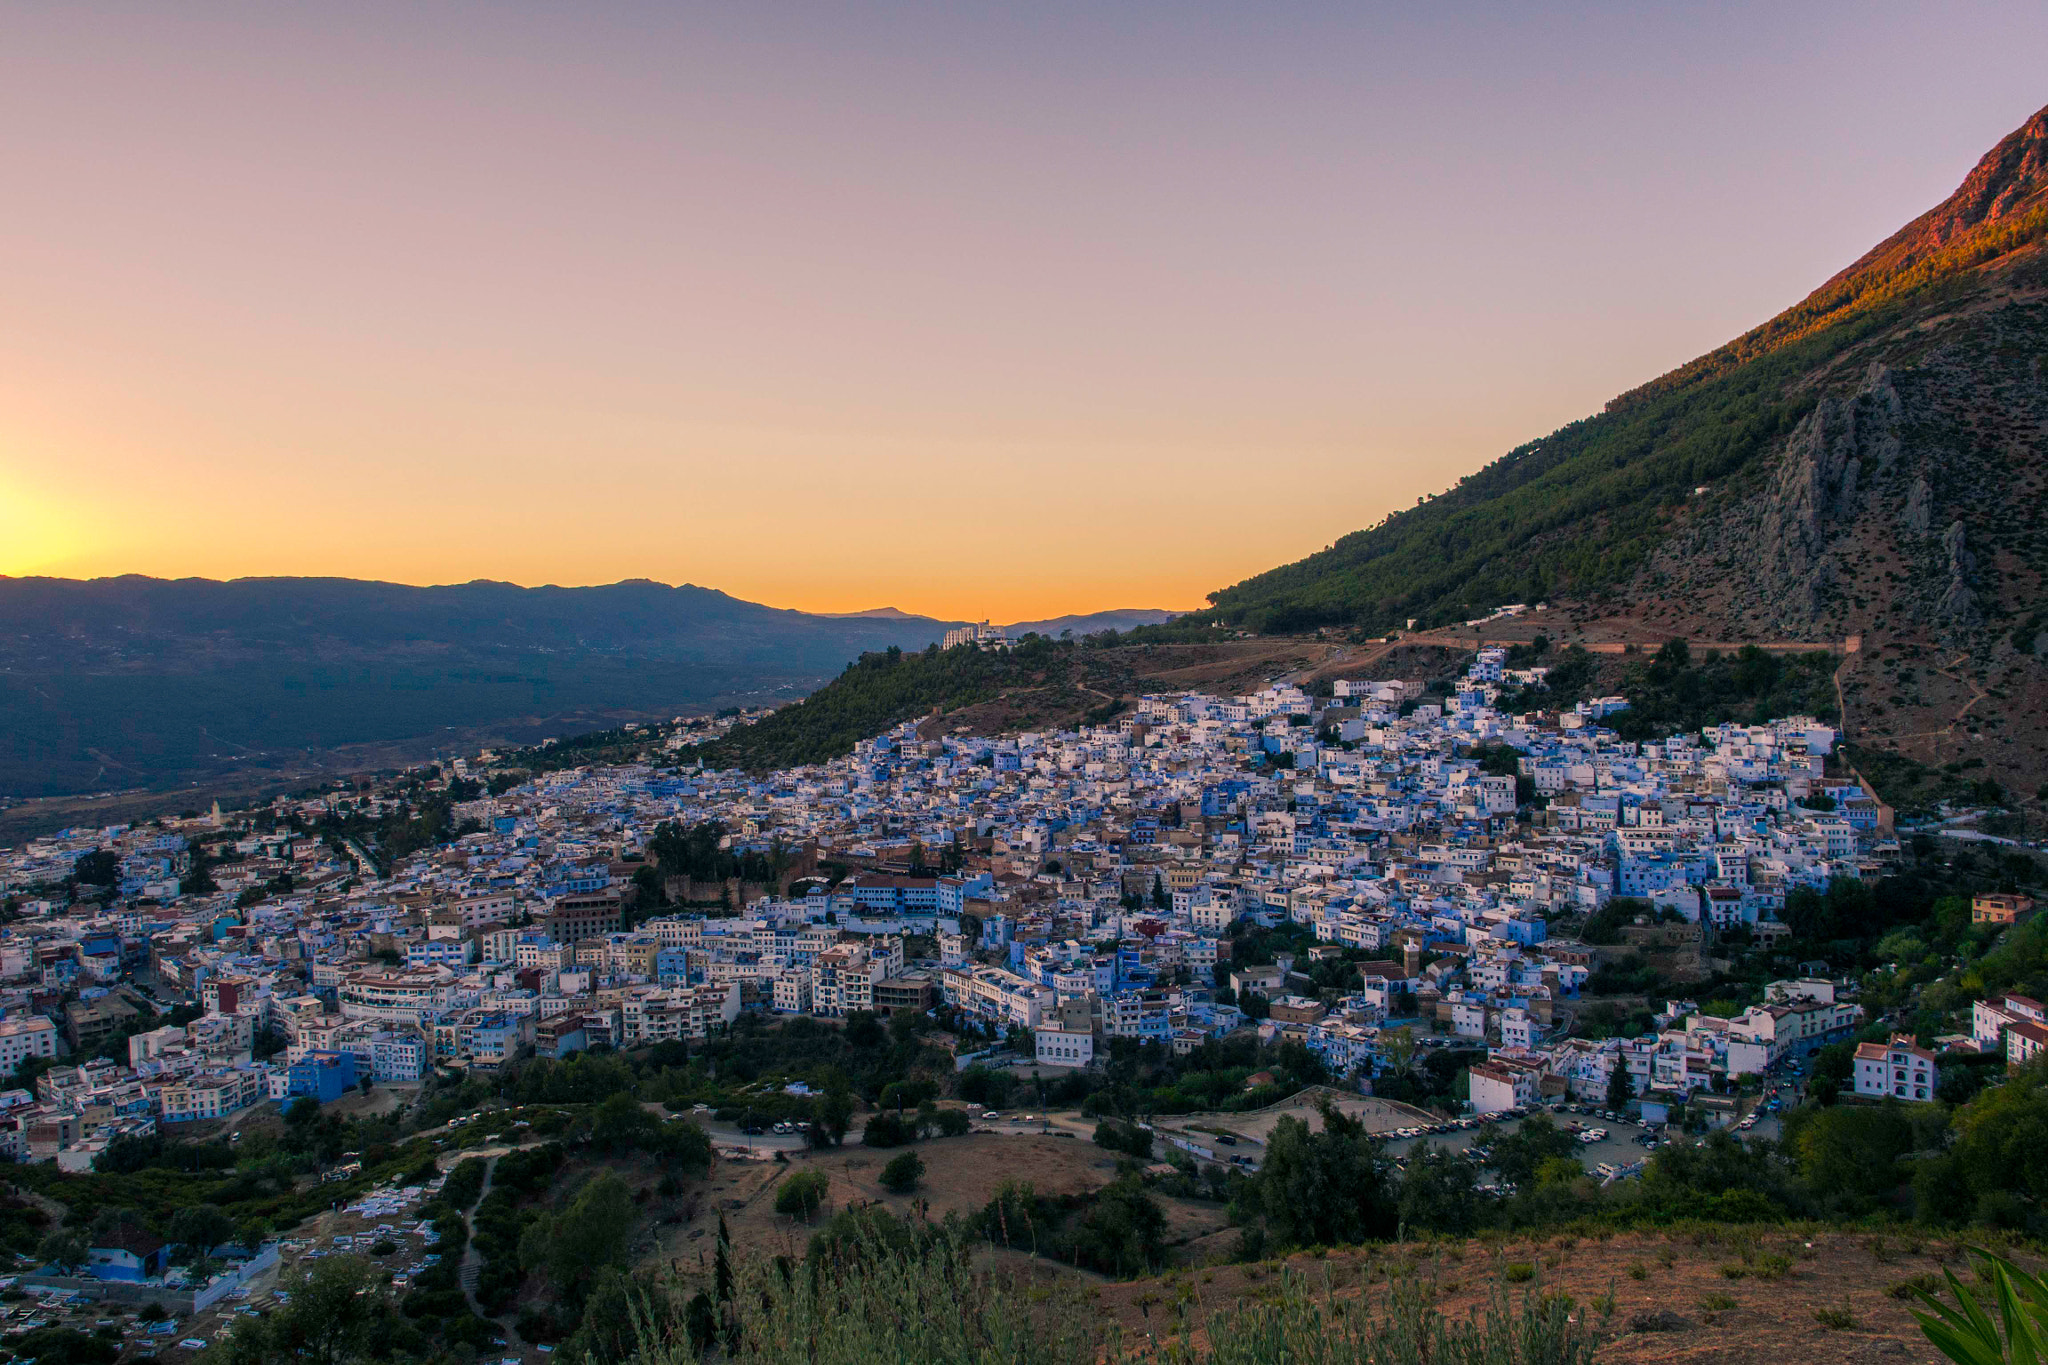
975 310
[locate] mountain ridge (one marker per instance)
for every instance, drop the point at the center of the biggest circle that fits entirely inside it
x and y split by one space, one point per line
1867 463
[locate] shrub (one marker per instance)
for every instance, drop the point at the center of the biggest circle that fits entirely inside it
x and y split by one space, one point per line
1519 1272
1123 1137
1715 1303
903 1172
1772 1266
1918 1285
886 1130
1835 1319
954 1123
803 1194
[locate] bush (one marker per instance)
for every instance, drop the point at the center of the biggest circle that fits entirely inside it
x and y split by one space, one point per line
63 1346
902 1174
1916 1286
1835 1319
802 1194
1519 1272
954 1123
1129 1138
886 1130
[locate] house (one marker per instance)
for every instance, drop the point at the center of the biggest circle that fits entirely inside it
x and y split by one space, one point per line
1065 1047
1497 1087
1989 1019
321 1076
2024 1042
1900 1069
2001 908
130 1253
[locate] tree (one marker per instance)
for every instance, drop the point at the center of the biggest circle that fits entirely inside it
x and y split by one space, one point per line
954 1123
619 1124
802 1194
835 1112
196 1231
66 1346
1398 1046
574 1246
1129 1138
1621 1087
64 1250
886 1130
1438 1193
1123 1232
1518 1155
903 1172
336 1312
301 1112
1322 1188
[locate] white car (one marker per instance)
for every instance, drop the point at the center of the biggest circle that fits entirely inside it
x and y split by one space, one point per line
990 1117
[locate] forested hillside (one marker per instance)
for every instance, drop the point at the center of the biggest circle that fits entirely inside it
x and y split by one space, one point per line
1583 510
884 689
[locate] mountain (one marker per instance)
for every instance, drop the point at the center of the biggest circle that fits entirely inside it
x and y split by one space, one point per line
1085 623
1119 619
124 682
1867 464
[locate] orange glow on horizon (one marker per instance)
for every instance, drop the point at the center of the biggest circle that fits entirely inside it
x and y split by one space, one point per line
1005 312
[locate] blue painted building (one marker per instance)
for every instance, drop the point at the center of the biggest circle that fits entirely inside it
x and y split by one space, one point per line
321 1076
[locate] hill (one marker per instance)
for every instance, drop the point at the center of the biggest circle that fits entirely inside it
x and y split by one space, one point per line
1866 464
1042 683
142 682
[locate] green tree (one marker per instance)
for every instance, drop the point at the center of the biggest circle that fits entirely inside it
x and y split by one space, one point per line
1123 1232
64 1251
336 1312
802 1194
574 1246
196 1231
620 1124
1322 1187
835 1112
1519 1154
1621 1087
1439 1193
903 1172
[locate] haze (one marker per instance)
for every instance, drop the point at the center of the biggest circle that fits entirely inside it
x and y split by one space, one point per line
972 310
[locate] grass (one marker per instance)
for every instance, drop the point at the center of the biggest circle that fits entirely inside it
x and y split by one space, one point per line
1715 1303
1835 1319
874 1299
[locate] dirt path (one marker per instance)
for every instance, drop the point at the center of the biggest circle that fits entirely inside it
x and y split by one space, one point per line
473 1262
472 1259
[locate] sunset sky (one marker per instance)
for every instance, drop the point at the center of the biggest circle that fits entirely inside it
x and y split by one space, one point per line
970 309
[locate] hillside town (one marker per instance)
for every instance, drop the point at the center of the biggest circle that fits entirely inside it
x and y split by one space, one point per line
1048 893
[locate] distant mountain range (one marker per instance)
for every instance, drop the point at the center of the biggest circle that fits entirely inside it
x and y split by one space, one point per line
1117 619
123 682
1868 463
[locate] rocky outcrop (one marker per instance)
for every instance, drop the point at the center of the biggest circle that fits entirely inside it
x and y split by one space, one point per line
1819 487
1957 607
1918 514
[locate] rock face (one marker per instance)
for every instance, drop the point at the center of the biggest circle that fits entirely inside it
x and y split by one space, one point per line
1958 605
1919 509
